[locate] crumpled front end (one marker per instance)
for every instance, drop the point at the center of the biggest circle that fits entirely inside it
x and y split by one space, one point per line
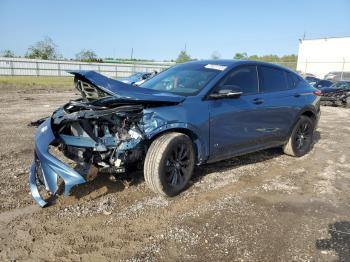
103 135
49 166
106 130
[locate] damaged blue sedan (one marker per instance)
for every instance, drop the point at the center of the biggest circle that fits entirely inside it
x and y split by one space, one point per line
194 113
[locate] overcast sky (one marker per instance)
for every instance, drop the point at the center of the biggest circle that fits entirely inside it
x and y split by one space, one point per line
159 29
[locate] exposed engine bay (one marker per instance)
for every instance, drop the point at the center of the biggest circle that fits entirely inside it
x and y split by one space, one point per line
100 129
101 135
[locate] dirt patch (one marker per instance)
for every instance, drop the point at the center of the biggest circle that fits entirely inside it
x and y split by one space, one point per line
263 206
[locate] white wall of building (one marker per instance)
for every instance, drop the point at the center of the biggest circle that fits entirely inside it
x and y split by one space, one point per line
321 56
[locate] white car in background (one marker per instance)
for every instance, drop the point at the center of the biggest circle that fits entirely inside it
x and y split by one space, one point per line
338 76
138 78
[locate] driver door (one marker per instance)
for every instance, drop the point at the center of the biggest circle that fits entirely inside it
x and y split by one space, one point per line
235 122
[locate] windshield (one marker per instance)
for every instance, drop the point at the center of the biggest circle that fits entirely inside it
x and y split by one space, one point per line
185 79
341 85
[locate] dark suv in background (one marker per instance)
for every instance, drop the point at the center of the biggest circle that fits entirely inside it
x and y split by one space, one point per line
193 113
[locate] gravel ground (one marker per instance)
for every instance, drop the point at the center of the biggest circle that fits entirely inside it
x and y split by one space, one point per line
264 206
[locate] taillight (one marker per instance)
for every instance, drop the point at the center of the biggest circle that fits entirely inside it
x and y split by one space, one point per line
318 93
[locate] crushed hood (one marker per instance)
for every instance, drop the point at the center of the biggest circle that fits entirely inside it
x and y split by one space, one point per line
123 91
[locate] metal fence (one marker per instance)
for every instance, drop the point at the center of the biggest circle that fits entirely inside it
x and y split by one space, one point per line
35 67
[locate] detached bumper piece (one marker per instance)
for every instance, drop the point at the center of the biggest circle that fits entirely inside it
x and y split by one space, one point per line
46 169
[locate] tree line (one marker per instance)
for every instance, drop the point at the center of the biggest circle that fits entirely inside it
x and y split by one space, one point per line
46 49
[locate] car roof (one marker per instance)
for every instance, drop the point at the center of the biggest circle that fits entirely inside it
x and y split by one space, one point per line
232 62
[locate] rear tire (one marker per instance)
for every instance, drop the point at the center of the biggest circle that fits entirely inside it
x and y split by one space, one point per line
169 164
301 138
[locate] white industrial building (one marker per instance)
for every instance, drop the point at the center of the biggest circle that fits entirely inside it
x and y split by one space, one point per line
324 55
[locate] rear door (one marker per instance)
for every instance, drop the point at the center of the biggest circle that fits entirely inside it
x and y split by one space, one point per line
281 102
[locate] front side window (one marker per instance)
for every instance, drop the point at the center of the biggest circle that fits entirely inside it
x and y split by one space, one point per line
244 78
272 79
186 79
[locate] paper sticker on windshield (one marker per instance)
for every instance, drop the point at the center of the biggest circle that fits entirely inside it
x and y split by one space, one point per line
216 67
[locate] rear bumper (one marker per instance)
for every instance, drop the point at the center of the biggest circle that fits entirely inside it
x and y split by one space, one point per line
51 167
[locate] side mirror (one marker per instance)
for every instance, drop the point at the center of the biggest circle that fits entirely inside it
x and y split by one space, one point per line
227 91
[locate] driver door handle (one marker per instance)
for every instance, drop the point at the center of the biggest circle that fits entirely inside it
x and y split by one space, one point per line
258 101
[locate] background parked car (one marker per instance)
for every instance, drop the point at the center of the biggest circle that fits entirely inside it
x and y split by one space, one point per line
337 94
338 76
138 78
311 79
323 83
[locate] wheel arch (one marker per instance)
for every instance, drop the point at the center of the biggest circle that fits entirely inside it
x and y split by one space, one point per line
309 113
199 145
306 111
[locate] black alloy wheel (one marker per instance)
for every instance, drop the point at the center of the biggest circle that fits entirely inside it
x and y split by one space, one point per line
177 166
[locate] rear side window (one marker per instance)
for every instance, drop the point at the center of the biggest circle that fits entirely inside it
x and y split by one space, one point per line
244 77
293 80
272 79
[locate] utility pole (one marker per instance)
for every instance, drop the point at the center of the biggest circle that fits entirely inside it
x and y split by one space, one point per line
132 53
342 70
185 48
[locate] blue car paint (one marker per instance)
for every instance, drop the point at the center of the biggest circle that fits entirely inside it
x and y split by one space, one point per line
126 91
190 116
219 128
51 167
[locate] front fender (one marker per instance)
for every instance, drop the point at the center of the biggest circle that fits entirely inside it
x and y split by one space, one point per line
202 148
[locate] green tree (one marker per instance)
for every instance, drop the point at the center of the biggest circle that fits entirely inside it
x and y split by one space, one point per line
7 53
183 57
254 57
240 56
87 56
45 49
289 58
215 55
286 60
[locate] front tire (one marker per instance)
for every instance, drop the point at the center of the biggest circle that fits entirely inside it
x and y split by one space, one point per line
300 141
169 164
